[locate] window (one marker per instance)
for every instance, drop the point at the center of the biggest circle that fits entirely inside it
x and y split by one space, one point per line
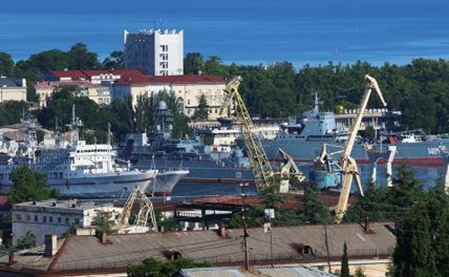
44 219
28 217
19 217
50 219
67 220
164 48
59 219
164 57
77 221
36 218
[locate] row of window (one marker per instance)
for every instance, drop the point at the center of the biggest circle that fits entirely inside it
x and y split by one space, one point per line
48 219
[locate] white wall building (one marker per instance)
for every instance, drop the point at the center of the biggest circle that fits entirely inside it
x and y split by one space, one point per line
54 217
12 89
156 52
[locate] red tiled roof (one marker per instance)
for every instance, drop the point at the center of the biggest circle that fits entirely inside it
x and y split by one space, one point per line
53 85
128 73
179 79
74 74
87 74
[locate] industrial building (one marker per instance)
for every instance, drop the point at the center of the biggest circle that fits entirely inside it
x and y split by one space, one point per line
156 52
54 217
290 245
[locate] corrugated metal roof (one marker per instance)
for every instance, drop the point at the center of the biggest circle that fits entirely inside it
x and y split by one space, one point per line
86 252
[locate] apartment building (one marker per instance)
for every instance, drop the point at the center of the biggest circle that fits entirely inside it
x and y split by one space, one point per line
12 89
156 52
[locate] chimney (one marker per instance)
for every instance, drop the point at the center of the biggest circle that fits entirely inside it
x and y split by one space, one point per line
162 229
366 226
103 238
51 245
11 258
24 83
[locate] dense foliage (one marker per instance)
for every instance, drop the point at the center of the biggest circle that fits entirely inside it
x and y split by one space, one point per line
419 89
154 268
104 222
28 185
344 271
27 241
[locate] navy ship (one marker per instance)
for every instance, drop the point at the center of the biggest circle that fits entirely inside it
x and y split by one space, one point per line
303 139
208 170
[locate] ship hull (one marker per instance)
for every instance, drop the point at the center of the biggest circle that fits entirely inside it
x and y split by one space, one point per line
101 185
420 153
165 181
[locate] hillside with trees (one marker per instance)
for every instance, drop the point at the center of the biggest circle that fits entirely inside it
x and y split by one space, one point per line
419 89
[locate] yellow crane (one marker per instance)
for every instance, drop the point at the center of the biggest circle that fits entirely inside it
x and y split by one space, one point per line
146 211
347 163
260 165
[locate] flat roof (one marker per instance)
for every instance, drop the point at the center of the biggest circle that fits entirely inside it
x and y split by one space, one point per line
62 204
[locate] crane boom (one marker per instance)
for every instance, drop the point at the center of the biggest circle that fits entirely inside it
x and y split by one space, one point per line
260 165
347 163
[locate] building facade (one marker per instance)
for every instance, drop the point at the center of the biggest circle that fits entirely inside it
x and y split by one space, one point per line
187 89
12 89
97 93
54 217
156 52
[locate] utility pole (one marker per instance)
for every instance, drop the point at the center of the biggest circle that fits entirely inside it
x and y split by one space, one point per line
327 249
243 187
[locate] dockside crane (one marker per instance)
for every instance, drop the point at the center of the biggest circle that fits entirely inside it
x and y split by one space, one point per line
146 211
347 163
260 165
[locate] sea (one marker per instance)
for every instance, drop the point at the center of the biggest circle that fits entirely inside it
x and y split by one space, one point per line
242 32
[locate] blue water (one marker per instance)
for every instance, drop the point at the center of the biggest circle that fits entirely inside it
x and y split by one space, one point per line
245 32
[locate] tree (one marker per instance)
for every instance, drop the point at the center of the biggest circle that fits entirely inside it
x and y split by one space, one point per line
155 268
49 60
114 61
27 241
359 272
104 222
79 57
345 262
29 185
315 211
193 63
142 114
12 111
202 112
6 65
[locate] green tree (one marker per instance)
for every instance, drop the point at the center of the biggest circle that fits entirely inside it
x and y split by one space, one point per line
359 272
12 111
6 65
29 185
114 61
27 241
370 133
79 57
49 60
193 63
345 262
155 268
202 112
315 211
104 222
214 66
142 114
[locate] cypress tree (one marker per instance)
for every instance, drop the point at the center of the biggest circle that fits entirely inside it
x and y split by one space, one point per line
345 262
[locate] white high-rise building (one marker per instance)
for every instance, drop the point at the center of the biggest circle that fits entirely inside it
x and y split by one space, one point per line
156 52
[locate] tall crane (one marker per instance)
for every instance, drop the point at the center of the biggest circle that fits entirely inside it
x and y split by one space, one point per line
260 165
145 211
347 163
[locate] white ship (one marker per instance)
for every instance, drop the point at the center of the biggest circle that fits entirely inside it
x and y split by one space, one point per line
85 170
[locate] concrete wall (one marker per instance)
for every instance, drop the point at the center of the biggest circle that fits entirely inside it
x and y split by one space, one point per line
13 94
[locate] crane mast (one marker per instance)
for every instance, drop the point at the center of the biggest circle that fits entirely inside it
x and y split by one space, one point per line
260 165
347 163
145 211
